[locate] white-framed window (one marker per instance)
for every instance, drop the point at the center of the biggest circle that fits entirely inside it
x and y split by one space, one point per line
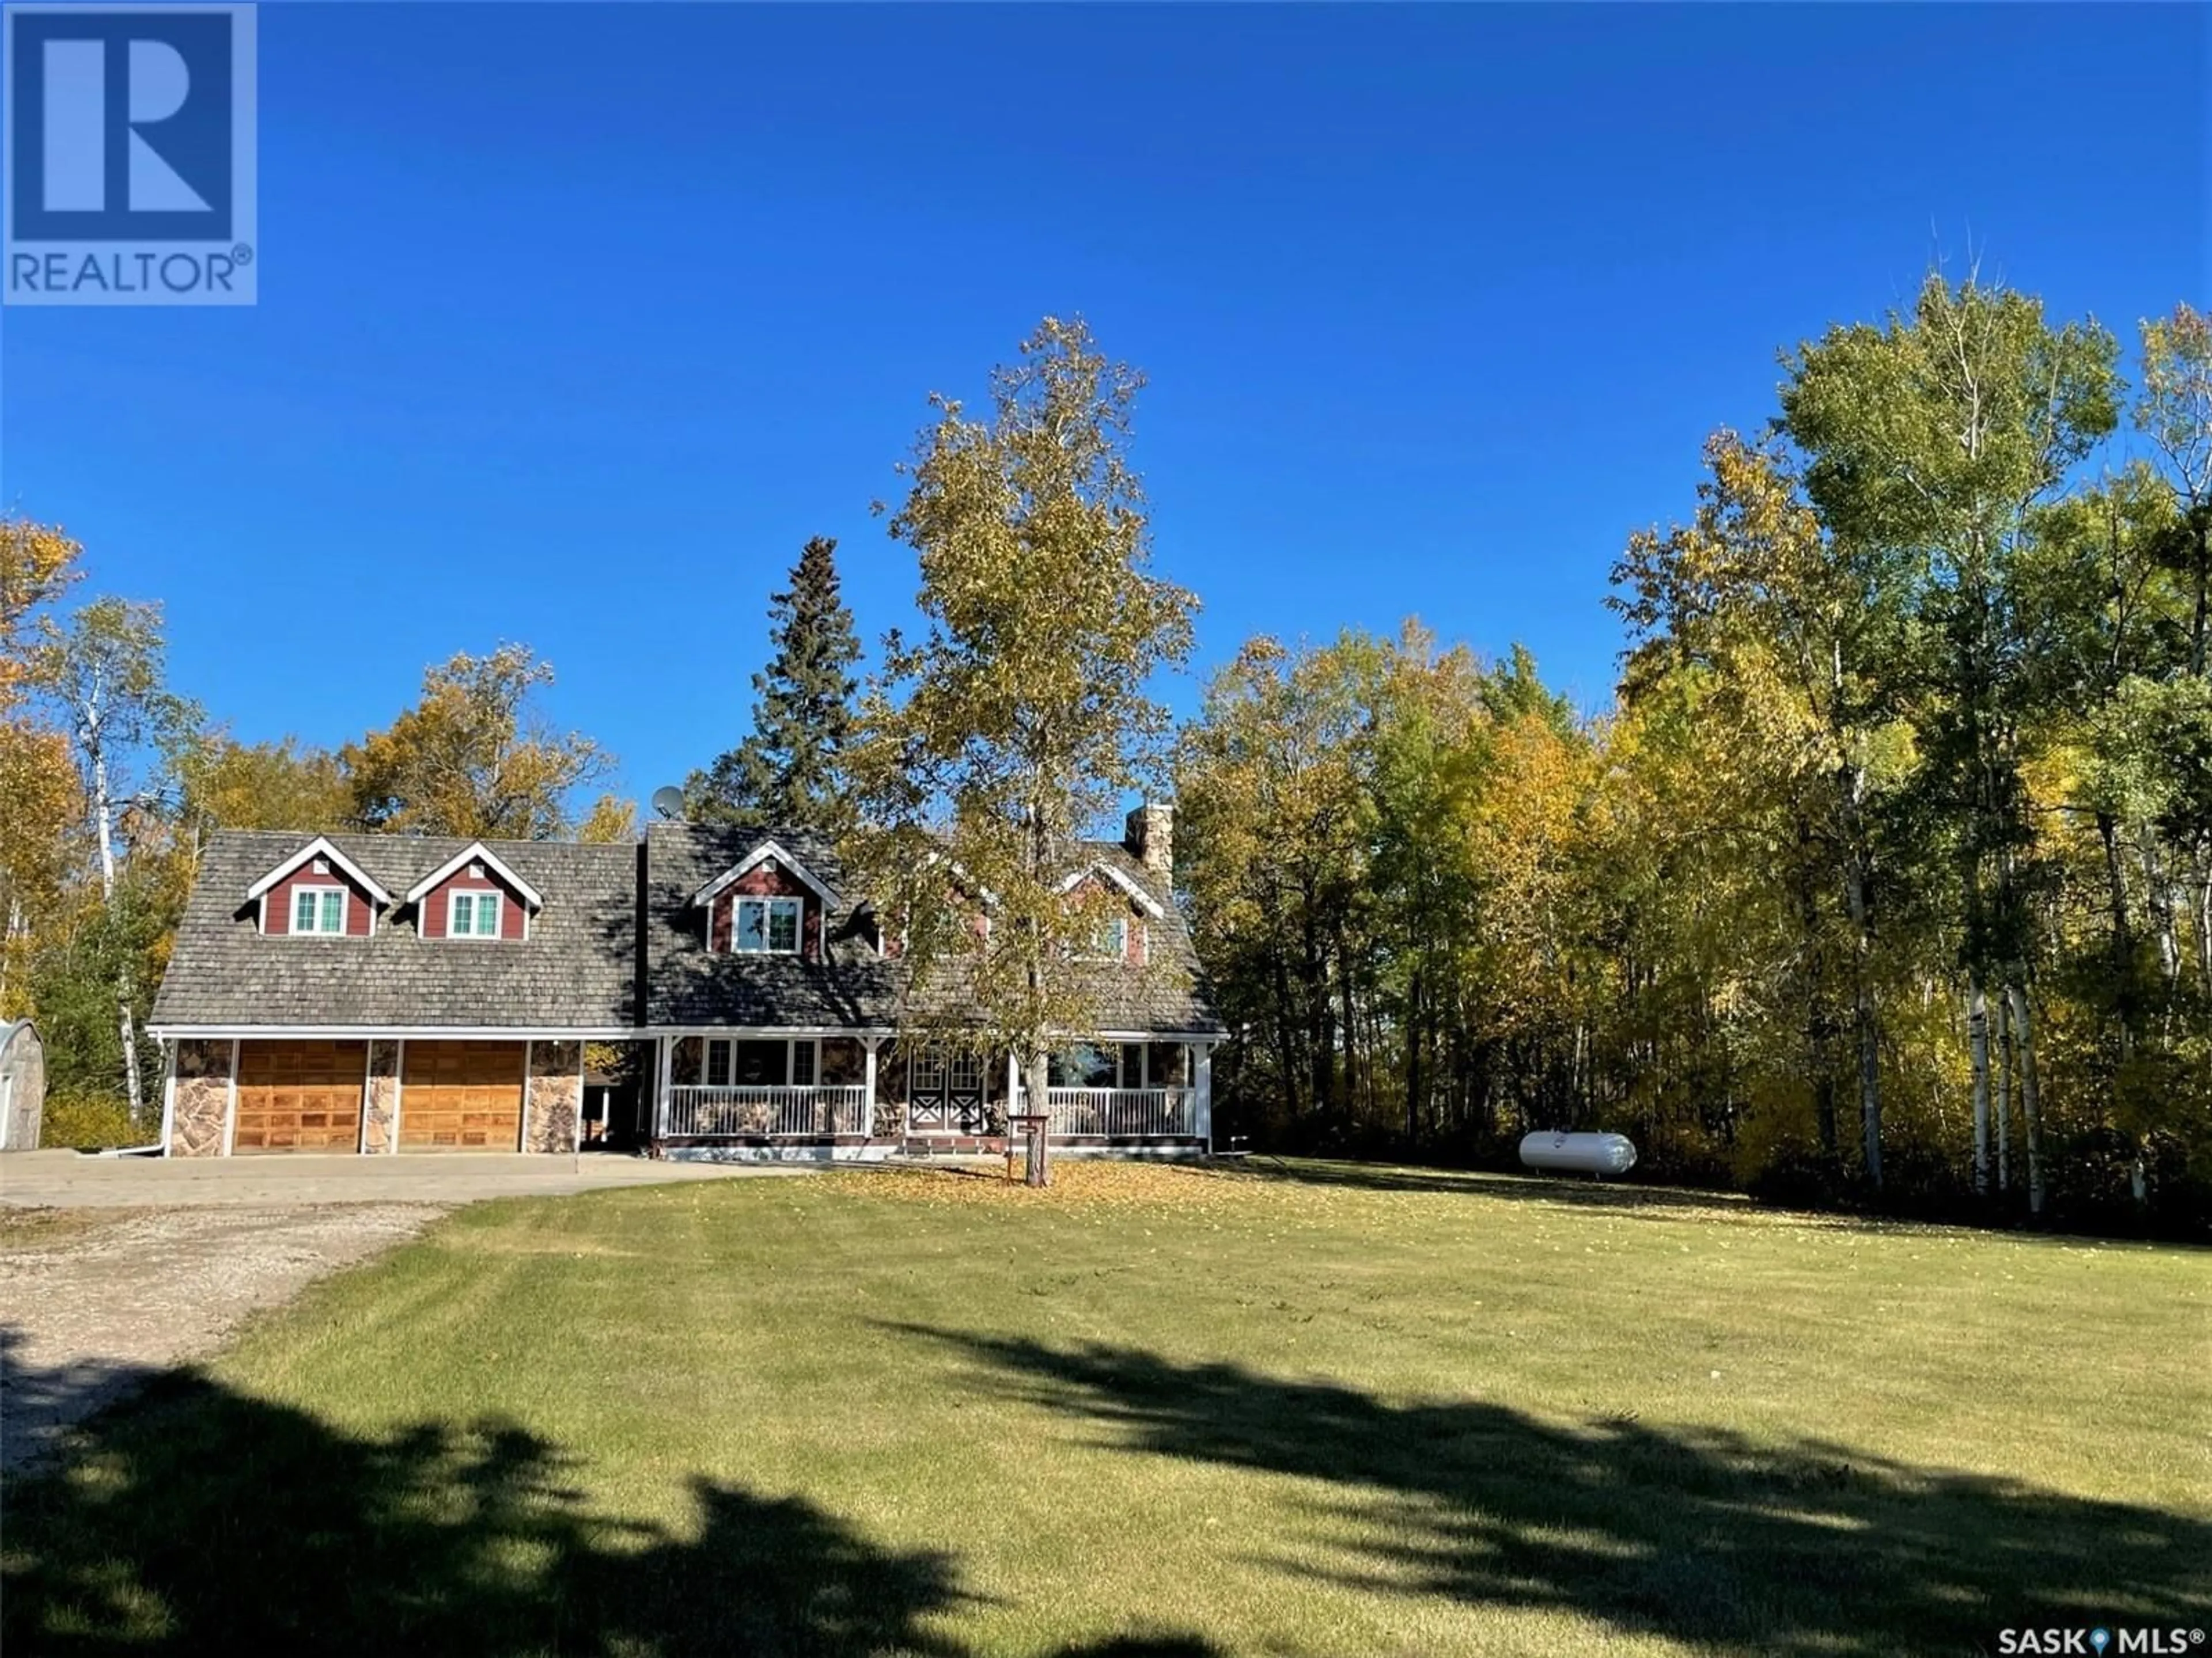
1088 1064
1108 943
767 927
319 910
760 1061
473 914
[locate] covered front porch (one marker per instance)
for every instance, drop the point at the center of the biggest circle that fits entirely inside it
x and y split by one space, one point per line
814 1094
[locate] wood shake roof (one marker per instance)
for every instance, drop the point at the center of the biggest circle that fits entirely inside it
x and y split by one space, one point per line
619 944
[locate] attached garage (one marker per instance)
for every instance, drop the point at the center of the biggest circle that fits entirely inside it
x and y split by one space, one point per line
299 1095
461 1096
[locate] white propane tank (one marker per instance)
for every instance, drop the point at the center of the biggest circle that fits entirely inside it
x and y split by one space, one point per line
1583 1154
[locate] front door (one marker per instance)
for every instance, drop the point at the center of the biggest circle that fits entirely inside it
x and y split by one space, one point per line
946 1094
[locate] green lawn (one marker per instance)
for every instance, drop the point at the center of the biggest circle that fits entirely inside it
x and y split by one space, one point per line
1156 1412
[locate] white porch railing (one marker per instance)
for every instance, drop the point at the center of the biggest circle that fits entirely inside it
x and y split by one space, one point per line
700 1113
1122 1110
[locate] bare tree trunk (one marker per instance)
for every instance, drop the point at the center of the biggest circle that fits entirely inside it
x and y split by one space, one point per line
103 816
17 927
1313 1000
1347 1020
1865 1025
2031 1099
1818 1026
2204 933
1414 1016
1035 1079
1977 1045
2159 890
1285 1039
2005 1092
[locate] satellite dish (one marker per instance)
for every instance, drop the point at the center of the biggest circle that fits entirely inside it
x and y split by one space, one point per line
668 802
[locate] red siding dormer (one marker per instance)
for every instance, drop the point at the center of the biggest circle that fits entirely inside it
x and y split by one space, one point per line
1133 912
321 886
768 879
475 878
435 907
280 904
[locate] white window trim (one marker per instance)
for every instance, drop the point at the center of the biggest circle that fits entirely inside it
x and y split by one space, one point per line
1120 954
737 926
1144 900
292 927
321 847
477 852
791 1047
758 855
476 895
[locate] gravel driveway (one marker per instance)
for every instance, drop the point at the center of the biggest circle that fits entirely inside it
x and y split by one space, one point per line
112 1269
93 1301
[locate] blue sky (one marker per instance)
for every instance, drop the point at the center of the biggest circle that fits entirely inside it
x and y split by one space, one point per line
576 321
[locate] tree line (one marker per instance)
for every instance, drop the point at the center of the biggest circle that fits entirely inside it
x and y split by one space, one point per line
1888 874
1885 877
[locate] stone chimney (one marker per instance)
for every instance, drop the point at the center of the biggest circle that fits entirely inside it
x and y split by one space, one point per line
1150 836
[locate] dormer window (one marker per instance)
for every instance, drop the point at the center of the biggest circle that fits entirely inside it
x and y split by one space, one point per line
317 893
319 909
767 927
1110 943
758 906
448 909
473 914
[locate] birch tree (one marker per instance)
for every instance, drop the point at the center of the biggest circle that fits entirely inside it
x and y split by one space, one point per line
1023 714
1802 630
1936 437
102 670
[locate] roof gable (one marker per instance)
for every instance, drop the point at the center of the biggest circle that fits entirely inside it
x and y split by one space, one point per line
320 847
475 853
753 859
1142 899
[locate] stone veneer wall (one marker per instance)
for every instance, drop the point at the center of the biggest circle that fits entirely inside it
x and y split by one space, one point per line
554 1102
383 1108
202 1102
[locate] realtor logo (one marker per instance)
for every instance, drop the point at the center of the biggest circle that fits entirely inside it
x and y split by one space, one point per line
128 160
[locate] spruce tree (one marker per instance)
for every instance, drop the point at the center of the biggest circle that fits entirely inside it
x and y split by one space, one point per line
789 771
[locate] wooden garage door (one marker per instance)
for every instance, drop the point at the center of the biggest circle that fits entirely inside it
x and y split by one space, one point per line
461 1096
300 1096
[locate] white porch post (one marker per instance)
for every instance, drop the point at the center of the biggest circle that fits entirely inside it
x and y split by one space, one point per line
868 1106
1205 1100
661 1059
1013 1082
230 1103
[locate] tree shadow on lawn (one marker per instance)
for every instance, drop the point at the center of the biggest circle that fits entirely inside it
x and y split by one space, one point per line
1654 1202
1696 1534
1560 1189
199 1520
